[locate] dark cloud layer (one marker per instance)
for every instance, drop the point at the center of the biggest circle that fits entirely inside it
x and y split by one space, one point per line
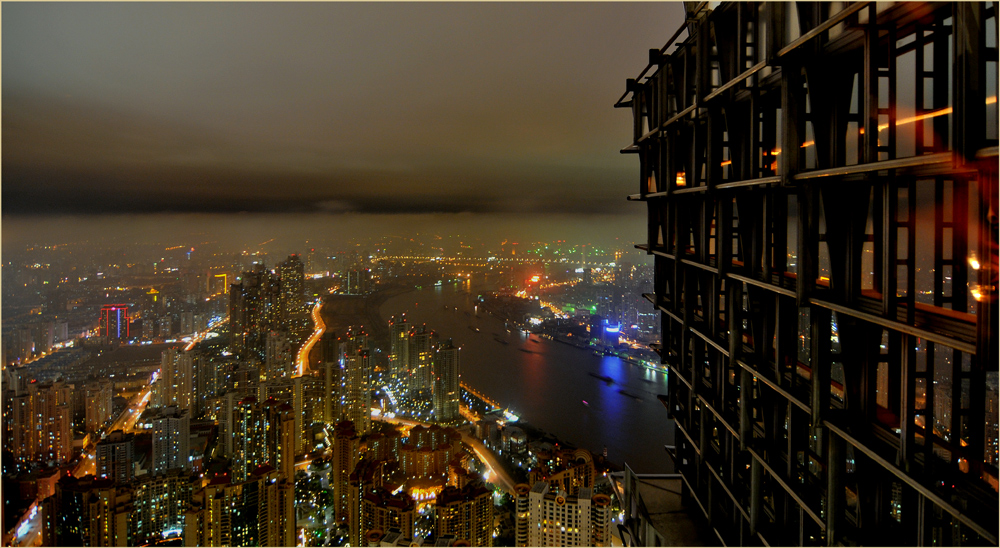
315 107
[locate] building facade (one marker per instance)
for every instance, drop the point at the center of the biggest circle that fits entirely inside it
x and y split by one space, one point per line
556 518
821 187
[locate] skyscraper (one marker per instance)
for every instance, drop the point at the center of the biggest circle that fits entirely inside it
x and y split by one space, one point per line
466 513
90 512
355 380
114 322
97 404
346 445
171 440
249 438
49 436
292 285
556 518
254 308
115 457
399 350
821 189
446 383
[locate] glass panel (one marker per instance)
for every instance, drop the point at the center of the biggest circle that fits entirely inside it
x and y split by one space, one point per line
921 354
992 445
920 396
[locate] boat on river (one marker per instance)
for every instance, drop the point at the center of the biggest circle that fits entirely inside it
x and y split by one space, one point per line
604 378
629 394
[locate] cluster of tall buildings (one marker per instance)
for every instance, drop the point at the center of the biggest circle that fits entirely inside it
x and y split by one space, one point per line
424 372
559 506
39 418
266 314
384 482
142 495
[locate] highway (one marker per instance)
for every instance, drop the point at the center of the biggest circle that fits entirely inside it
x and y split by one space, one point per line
303 359
125 421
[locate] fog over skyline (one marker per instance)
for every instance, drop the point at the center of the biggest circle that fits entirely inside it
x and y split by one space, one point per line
339 113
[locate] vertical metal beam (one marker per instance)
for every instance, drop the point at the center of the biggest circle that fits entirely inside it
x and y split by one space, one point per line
819 335
969 81
834 489
756 494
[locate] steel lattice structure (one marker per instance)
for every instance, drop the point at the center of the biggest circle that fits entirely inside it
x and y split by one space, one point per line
821 185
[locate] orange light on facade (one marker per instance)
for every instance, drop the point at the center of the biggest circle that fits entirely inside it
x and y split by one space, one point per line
680 181
726 163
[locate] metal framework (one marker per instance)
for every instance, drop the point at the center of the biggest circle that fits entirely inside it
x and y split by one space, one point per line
821 185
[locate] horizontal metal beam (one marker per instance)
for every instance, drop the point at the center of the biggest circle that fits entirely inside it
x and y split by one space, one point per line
750 182
805 507
758 283
709 340
969 348
899 163
719 416
774 386
746 74
823 27
917 486
673 316
680 377
691 441
680 115
690 189
739 505
704 267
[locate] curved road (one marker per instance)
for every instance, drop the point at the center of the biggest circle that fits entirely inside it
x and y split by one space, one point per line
303 360
497 474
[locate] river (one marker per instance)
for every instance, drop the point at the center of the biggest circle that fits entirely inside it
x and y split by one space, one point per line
547 387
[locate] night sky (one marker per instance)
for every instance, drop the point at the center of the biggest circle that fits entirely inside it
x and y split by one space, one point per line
374 108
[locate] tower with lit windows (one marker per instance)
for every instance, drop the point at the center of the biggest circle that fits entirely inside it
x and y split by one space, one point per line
114 322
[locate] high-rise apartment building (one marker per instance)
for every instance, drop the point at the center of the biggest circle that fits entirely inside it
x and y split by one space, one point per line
418 386
279 437
249 438
255 512
466 513
89 512
49 425
355 388
159 502
115 456
254 308
114 322
176 382
821 188
346 445
171 440
446 383
278 358
556 518
292 276
399 350
97 404
382 510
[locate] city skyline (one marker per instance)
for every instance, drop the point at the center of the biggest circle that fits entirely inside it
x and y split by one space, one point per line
403 274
